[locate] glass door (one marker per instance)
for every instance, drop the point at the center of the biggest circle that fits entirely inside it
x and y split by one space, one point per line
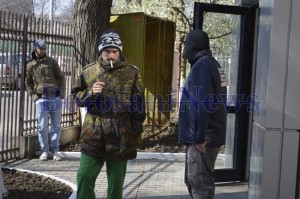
231 30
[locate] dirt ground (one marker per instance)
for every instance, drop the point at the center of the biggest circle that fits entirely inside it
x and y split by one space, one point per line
22 185
164 140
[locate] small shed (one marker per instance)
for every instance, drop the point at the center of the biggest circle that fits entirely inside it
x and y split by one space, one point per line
148 43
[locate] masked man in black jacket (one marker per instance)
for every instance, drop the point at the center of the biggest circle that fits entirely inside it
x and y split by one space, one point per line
202 116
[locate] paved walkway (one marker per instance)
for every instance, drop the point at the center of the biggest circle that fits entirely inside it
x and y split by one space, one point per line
147 178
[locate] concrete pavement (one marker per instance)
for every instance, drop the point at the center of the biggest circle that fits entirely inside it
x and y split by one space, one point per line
150 176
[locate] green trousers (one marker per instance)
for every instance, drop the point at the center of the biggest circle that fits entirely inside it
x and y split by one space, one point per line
89 170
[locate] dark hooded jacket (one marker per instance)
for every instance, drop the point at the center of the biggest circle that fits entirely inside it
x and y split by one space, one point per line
113 124
202 114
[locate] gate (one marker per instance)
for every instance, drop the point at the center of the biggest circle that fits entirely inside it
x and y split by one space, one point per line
17 113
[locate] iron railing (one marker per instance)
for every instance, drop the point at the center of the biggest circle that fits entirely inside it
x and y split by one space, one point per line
17 113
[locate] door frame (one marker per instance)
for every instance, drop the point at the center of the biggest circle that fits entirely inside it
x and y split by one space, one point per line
244 83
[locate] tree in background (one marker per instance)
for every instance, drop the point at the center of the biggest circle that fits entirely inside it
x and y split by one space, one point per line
63 10
17 6
67 11
181 12
40 7
91 17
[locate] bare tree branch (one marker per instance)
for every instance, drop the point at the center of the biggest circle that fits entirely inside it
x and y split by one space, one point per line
223 35
183 15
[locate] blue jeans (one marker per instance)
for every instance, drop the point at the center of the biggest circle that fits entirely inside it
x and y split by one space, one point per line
45 108
199 167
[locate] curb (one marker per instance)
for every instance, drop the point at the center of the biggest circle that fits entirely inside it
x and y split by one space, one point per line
140 155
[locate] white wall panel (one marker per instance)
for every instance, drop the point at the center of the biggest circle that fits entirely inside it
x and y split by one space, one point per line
271 164
289 165
278 64
292 104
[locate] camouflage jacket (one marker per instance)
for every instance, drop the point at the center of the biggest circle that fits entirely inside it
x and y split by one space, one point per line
44 75
113 124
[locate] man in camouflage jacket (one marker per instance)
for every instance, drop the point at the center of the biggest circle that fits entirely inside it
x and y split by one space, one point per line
113 94
46 84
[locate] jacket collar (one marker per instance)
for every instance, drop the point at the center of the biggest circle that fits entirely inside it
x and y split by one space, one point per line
199 55
37 58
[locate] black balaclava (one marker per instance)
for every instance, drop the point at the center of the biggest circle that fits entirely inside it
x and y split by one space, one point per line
196 40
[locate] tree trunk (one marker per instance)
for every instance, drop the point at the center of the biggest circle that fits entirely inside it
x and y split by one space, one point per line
91 17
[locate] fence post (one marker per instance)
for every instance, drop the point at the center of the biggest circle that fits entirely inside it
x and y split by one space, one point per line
22 91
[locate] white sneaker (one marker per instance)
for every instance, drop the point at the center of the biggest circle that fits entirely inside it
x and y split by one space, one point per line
44 156
56 157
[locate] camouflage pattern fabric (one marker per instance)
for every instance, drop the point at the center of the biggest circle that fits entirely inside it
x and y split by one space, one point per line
113 124
44 77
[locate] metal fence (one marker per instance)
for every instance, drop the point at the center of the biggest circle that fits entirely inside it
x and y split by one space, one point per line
17 113
225 62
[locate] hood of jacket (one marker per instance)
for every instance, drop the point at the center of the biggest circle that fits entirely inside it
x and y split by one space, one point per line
196 41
